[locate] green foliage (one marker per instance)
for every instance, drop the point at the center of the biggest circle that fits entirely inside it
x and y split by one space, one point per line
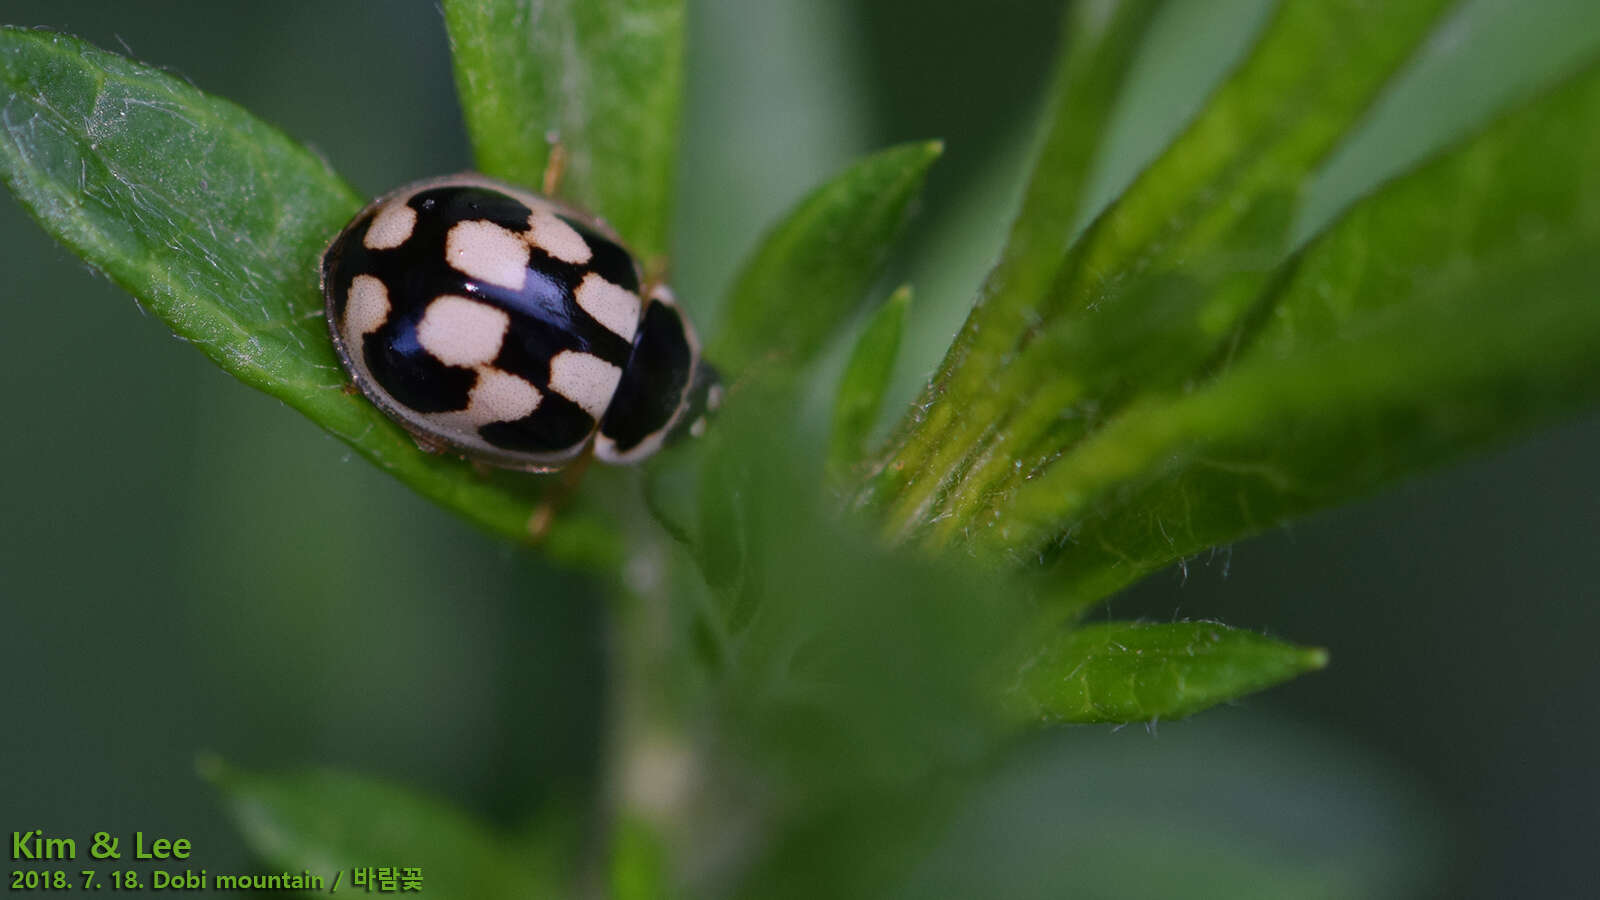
1100 40
1184 381
1214 209
638 864
605 80
215 221
805 610
1182 373
327 822
866 377
1126 671
1392 343
816 266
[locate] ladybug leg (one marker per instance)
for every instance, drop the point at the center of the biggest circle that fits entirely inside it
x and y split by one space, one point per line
554 167
559 495
427 445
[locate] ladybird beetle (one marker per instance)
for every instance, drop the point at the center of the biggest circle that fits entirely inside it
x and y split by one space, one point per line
510 329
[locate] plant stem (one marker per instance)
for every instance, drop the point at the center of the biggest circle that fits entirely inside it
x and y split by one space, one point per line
650 762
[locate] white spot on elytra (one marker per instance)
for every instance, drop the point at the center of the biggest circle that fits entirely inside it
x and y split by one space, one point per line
498 396
487 252
367 307
462 332
501 397
558 239
714 398
615 307
698 429
390 227
586 380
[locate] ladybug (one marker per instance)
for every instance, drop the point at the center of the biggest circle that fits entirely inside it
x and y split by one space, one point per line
510 329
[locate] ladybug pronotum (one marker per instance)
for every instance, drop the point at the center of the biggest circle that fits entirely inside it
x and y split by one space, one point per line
500 325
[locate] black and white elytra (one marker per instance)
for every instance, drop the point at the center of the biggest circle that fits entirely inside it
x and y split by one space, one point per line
498 324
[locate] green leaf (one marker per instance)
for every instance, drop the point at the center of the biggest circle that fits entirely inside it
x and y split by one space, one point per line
1216 207
215 221
805 688
815 268
1098 47
326 822
639 862
604 78
866 377
1451 310
1134 672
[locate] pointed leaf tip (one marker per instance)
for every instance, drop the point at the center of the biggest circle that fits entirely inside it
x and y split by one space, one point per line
816 266
1134 672
866 377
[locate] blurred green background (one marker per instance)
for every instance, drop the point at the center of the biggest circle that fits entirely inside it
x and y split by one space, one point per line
188 566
